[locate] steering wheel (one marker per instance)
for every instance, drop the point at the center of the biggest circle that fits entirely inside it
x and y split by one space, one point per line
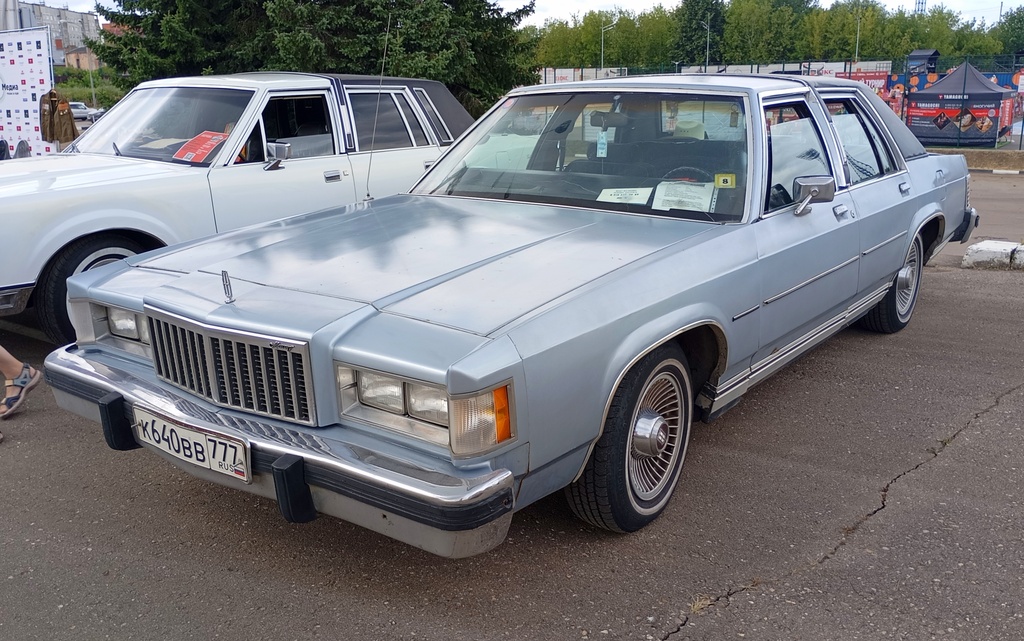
689 174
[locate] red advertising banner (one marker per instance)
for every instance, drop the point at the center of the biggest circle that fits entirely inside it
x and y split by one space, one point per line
877 80
955 121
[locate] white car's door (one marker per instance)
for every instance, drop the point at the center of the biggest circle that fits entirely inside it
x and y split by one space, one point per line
247 189
393 142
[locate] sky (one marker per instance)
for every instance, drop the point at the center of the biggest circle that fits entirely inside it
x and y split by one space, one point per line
564 9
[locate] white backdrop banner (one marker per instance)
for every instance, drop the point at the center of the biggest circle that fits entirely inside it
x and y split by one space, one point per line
26 73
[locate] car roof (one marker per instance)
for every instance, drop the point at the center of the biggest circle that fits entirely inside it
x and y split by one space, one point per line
453 113
697 81
282 79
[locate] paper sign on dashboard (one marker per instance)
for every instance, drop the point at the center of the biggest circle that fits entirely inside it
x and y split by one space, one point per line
684 195
197 149
631 195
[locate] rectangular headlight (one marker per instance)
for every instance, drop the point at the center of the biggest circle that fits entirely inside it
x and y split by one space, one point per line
428 403
479 423
128 324
383 392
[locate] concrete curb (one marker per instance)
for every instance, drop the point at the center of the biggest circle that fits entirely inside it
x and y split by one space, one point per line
994 254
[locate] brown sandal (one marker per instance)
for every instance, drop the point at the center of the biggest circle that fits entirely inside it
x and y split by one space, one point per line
24 382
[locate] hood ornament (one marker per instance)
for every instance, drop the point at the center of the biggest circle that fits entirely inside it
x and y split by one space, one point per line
225 279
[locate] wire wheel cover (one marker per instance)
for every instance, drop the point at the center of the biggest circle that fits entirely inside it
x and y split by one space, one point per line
906 282
649 475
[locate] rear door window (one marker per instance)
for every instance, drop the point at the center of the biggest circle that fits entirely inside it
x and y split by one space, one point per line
385 120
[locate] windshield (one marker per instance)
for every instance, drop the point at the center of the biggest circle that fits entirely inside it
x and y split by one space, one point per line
172 124
667 154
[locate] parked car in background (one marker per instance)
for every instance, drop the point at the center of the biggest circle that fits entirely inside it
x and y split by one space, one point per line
589 269
82 111
181 158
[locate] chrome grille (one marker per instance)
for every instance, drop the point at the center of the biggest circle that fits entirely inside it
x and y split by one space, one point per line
260 374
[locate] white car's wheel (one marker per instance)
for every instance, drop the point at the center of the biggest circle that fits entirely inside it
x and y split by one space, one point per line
81 255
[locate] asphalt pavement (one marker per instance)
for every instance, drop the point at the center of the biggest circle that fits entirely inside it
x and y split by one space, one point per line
871 490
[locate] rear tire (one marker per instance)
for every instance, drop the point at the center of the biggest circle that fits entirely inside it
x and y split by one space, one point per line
893 312
82 255
635 465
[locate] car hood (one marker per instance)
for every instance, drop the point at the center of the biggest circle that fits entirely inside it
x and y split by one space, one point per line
466 264
25 176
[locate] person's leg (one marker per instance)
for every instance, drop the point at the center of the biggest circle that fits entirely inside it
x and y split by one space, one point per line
20 379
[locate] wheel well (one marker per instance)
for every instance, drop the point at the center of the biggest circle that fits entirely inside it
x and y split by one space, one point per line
705 351
142 238
930 234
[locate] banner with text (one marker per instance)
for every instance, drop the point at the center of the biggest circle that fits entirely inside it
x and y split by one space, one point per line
26 74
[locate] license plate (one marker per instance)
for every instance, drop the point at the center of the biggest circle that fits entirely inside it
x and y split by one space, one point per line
217 452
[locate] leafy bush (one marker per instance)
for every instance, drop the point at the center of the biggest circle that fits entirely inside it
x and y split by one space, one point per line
74 84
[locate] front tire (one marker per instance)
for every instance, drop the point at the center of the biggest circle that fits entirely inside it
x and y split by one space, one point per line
636 463
81 255
893 312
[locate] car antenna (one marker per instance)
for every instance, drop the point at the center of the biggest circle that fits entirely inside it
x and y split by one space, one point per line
376 111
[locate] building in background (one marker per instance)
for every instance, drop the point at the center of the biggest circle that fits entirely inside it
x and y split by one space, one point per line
68 29
81 58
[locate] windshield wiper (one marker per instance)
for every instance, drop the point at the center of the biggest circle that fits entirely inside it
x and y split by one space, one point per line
117 152
451 181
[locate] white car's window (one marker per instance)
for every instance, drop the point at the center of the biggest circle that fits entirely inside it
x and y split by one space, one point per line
440 127
304 122
253 150
866 156
170 124
412 121
379 123
677 155
795 149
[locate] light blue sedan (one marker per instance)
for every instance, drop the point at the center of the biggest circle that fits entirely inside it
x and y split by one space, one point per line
588 270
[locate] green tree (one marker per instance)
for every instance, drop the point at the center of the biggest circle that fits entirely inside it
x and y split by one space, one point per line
1010 31
472 46
755 32
162 38
696 42
632 40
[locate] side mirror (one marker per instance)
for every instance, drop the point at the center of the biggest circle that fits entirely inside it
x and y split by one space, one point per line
813 189
277 152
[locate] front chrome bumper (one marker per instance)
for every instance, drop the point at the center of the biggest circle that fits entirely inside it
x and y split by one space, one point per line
425 503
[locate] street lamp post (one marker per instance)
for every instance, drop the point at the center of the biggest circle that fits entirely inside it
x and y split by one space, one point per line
707 46
677 63
88 63
856 51
603 29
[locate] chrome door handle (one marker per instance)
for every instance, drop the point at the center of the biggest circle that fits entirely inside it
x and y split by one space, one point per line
332 176
904 188
427 164
840 211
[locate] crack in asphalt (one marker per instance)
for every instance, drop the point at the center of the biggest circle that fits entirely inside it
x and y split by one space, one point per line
850 530
679 626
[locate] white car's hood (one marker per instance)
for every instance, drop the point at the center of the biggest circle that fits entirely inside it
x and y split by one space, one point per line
24 176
